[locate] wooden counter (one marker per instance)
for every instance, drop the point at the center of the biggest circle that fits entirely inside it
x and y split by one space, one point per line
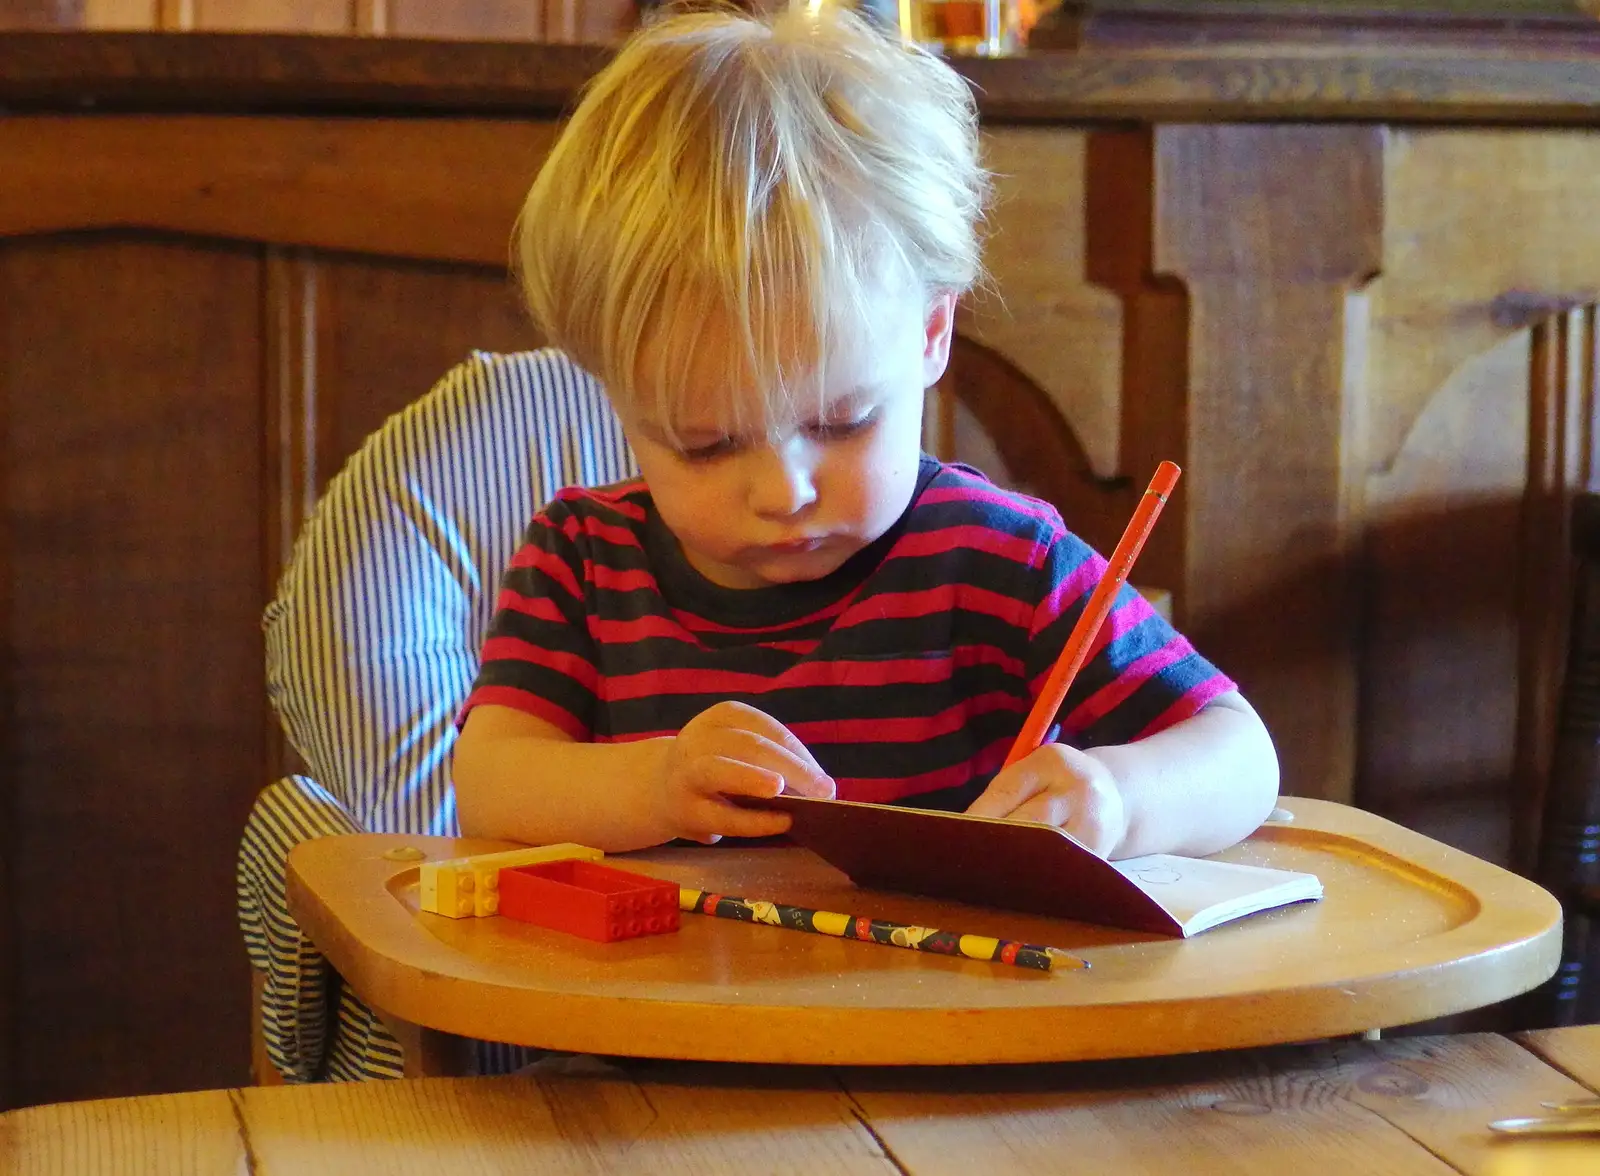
1350 287
1457 75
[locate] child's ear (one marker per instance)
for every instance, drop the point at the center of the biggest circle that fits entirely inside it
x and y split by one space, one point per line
938 329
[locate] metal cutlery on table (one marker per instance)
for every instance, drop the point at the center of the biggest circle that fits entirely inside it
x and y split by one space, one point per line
1578 1116
1575 1106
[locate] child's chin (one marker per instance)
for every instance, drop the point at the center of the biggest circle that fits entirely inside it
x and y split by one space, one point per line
798 569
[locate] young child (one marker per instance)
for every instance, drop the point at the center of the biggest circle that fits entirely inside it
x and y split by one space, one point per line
754 232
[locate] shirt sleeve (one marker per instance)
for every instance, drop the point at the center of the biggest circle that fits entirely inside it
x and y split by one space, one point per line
1142 675
538 656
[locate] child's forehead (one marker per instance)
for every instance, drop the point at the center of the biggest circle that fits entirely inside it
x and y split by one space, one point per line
716 389
722 396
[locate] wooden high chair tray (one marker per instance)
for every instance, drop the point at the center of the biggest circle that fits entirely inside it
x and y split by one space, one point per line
1408 929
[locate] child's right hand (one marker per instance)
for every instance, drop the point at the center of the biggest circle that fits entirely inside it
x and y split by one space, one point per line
732 749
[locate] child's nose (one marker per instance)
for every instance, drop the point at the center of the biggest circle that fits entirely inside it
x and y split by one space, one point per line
785 478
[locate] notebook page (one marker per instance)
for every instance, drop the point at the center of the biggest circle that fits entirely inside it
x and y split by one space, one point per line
1199 893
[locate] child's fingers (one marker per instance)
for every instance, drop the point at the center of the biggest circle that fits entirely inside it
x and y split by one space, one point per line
816 784
707 817
797 771
774 746
1007 793
720 774
1048 808
790 742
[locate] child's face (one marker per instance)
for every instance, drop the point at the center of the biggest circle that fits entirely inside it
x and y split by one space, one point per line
751 511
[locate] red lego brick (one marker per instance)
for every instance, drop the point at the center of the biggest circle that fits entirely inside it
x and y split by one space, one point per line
594 901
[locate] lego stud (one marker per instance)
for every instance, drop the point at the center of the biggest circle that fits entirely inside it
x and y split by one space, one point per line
464 886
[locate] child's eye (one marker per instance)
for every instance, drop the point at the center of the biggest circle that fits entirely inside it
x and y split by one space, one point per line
835 430
717 448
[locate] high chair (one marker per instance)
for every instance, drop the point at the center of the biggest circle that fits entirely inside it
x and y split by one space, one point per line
373 636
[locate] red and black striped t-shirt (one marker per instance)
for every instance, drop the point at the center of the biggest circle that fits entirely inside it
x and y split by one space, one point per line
907 672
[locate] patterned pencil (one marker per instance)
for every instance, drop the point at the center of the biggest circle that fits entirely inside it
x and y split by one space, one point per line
950 943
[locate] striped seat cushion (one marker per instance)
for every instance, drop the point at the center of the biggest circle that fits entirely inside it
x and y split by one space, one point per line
372 642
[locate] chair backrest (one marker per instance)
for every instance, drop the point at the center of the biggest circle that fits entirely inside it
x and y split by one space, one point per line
373 637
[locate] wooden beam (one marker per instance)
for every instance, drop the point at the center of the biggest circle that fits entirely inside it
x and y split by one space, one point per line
1235 367
1501 78
436 189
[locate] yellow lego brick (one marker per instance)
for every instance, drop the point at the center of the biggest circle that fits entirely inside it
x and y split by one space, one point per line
446 889
470 886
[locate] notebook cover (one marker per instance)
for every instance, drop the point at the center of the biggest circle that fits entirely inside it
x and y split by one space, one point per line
1014 865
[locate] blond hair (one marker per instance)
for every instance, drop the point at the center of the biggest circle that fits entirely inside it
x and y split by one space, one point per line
760 177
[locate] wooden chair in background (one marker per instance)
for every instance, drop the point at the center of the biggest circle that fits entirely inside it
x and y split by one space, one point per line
987 412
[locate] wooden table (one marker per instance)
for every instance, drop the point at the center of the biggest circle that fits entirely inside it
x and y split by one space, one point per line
1403 1106
1409 929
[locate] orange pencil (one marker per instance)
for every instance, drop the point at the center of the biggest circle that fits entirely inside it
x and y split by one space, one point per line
1094 615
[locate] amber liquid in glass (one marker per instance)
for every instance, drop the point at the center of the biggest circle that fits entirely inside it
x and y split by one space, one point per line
955 26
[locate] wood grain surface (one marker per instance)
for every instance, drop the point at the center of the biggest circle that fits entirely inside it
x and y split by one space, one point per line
1412 1107
154 443
1484 78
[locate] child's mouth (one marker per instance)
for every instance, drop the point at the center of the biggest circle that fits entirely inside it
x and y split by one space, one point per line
797 546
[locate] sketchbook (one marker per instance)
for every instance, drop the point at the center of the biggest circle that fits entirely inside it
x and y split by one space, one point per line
1024 866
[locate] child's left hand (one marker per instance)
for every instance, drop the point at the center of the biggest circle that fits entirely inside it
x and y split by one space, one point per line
1060 785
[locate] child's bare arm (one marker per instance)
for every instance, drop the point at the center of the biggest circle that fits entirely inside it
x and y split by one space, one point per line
519 777
1195 788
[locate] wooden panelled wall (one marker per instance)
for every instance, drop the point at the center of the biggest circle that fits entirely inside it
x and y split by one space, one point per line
1372 349
562 21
